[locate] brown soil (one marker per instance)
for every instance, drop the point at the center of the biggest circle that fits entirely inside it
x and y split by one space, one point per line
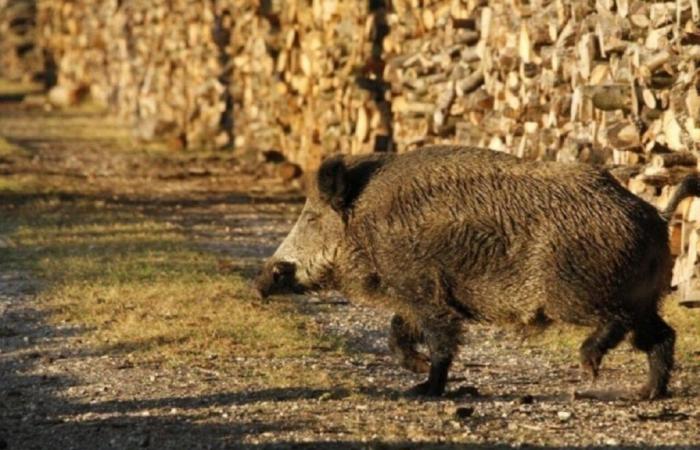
58 392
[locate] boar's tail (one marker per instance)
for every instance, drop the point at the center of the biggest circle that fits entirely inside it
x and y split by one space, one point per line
689 187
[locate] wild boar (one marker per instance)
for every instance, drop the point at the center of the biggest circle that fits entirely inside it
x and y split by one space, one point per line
444 235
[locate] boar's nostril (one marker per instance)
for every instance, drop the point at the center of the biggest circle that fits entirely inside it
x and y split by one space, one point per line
277 277
283 269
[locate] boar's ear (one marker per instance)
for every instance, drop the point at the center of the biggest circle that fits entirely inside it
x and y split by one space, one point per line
341 181
333 183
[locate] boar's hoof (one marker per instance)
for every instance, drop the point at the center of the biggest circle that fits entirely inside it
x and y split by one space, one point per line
416 363
652 393
426 389
590 366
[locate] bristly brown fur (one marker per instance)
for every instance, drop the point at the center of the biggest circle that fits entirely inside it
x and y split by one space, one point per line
451 233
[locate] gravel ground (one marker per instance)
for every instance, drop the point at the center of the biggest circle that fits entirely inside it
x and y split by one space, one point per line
58 393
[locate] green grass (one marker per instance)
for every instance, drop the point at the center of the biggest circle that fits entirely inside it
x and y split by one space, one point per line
566 340
9 149
138 285
686 322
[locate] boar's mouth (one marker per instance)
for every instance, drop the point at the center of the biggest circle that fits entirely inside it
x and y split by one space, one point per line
278 278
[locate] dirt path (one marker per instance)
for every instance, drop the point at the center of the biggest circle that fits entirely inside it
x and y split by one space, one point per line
60 392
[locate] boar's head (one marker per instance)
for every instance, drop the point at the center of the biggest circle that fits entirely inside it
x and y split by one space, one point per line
307 258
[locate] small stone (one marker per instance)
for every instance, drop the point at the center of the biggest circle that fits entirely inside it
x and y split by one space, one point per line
464 411
325 396
462 391
126 364
6 242
564 415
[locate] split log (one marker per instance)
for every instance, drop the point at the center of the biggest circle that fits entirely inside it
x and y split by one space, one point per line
21 58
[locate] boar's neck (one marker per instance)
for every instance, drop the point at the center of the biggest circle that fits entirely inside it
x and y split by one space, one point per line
355 273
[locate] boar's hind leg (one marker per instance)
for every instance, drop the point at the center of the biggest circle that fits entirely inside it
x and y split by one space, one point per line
655 337
403 341
594 348
442 337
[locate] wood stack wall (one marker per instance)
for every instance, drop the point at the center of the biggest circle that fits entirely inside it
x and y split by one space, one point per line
305 79
160 64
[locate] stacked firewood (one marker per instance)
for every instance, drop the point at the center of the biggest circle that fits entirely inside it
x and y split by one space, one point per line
21 59
308 79
258 95
76 34
160 64
172 71
303 78
601 81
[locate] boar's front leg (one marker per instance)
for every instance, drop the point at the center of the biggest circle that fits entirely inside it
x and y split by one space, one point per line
403 342
603 339
441 332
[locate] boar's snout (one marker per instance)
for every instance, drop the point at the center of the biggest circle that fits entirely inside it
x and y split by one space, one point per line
277 277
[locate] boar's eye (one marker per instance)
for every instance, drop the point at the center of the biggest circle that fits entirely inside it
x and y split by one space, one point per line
312 217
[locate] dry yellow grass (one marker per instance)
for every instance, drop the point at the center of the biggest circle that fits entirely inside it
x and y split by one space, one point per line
9 149
138 285
8 87
565 340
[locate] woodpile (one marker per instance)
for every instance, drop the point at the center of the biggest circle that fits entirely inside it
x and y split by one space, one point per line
159 64
603 82
76 35
257 94
21 59
307 79
172 74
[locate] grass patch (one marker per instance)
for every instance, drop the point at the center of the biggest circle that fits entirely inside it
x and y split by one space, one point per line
20 185
686 322
9 149
8 87
566 340
138 285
